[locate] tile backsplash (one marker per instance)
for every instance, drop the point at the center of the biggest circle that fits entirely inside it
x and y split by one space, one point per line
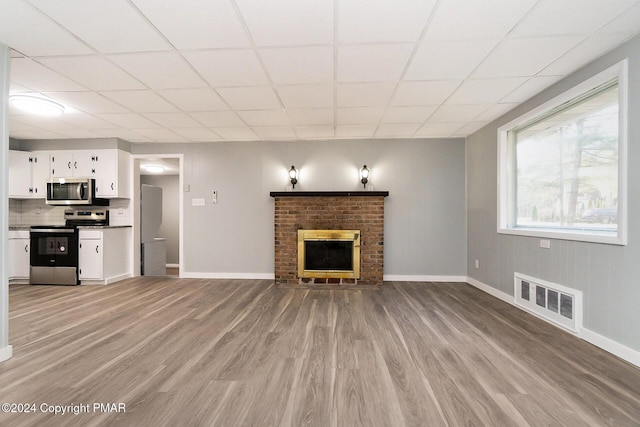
36 212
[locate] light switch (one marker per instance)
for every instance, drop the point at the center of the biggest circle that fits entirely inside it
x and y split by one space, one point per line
214 197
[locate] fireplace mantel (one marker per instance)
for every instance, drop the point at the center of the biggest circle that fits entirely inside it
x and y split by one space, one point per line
329 193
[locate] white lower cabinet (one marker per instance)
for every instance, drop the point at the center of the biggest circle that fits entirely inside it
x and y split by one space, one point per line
18 255
104 256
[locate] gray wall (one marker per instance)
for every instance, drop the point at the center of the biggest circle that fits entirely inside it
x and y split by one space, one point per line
425 212
608 275
170 227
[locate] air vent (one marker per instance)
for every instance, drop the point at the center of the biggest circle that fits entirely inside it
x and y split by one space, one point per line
554 303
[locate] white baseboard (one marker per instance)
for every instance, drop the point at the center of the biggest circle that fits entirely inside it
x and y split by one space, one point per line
6 353
173 265
411 278
630 355
251 276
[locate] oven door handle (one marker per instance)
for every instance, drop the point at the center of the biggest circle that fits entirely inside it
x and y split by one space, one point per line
80 191
53 230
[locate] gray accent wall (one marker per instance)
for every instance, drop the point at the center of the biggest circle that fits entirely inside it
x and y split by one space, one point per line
608 275
425 224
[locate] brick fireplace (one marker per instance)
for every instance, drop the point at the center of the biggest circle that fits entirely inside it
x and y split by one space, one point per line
329 210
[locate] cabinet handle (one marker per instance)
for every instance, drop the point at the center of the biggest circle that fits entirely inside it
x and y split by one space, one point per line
93 171
30 190
26 248
53 171
112 185
97 250
69 165
75 165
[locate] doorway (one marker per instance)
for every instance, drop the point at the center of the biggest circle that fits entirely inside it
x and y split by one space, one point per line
164 172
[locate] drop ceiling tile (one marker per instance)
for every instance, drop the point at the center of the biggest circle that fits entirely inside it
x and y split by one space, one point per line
250 98
438 130
311 116
359 115
223 68
470 128
372 63
275 132
294 65
265 117
364 94
44 37
355 131
125 134
196 24
107 26
485 91
129 120
424 93
173 120
160 135
79 133
627 22
366 21
306 96
85 121
94 72
288 22
495 111
198 134
457 113
237 133
474 20
176 72
16 88
35 76
525 57
448 60
530 88
141 101
550 17
203 99
315 131
408 114
215 119
36 133
397 130
580 55
88 102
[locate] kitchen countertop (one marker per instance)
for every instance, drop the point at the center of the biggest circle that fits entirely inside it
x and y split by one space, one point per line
100 227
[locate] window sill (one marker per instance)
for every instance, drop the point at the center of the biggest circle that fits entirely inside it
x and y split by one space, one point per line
589 236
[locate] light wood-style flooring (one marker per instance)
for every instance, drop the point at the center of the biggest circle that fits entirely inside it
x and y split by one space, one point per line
187 352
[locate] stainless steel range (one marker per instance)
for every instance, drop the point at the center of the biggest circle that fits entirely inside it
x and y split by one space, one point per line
54 248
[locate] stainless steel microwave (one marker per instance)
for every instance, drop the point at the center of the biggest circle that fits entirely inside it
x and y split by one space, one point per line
72 191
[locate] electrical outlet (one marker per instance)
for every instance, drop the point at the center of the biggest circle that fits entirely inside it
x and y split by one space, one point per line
197 202
545 243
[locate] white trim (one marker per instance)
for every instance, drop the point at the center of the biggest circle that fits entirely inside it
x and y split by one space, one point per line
173 265
623 352
250 276
630 355
6 353
418 278
505 220
501 295
107 281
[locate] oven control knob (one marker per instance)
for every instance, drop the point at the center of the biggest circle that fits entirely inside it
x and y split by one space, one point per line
62 248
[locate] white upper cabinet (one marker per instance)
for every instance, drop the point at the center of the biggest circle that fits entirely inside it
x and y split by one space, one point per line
109 167
28 174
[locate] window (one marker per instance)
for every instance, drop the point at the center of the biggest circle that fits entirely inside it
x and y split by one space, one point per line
562 167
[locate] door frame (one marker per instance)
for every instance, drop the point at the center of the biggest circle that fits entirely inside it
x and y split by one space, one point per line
135 196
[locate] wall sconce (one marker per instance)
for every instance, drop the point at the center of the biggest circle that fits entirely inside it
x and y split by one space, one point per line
364 176
293 176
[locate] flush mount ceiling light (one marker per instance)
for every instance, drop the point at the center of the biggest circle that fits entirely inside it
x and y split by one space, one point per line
154 168
364 176
36 105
